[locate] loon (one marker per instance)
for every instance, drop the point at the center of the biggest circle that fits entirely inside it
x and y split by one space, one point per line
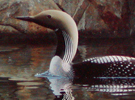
67 36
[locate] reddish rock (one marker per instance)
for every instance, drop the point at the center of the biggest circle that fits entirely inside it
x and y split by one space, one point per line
99 18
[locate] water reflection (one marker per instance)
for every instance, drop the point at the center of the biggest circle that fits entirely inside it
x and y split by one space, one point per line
19 64
63 88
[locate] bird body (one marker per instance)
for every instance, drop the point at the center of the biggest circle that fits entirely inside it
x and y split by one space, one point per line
106 66
67 36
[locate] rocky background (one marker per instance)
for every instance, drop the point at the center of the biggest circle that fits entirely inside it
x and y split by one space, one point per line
95 18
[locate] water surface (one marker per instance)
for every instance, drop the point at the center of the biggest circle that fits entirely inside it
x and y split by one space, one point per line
19 63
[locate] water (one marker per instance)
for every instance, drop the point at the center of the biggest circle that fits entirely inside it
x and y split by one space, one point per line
19 63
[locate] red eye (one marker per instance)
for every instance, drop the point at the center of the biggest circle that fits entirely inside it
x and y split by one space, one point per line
49 16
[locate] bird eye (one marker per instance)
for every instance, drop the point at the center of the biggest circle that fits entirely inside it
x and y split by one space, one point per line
49 16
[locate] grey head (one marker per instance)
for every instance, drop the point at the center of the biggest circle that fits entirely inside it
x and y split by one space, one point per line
52 19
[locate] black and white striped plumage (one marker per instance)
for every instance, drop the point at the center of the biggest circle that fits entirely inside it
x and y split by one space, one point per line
106 66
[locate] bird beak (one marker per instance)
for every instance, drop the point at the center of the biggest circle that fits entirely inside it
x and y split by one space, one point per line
25 18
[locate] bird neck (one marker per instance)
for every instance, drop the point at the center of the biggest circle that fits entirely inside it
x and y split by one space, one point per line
67 36
66 47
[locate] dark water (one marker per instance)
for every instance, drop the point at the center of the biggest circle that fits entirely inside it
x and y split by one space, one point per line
19 63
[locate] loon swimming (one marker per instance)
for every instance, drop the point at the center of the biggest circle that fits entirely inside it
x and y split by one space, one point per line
67 34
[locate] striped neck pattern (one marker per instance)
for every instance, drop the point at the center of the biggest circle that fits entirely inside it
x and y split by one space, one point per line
65 46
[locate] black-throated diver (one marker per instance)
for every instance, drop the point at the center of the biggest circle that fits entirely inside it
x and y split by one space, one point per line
67 34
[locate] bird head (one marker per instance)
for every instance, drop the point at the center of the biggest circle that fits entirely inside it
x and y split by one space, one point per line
53 19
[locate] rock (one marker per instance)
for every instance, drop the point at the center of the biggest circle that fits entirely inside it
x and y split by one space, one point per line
96 18
22 8
132 16
101 18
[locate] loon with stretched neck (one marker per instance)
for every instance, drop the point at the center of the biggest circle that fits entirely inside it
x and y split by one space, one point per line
67 34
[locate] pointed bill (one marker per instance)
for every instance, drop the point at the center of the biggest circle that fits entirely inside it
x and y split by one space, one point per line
25 18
